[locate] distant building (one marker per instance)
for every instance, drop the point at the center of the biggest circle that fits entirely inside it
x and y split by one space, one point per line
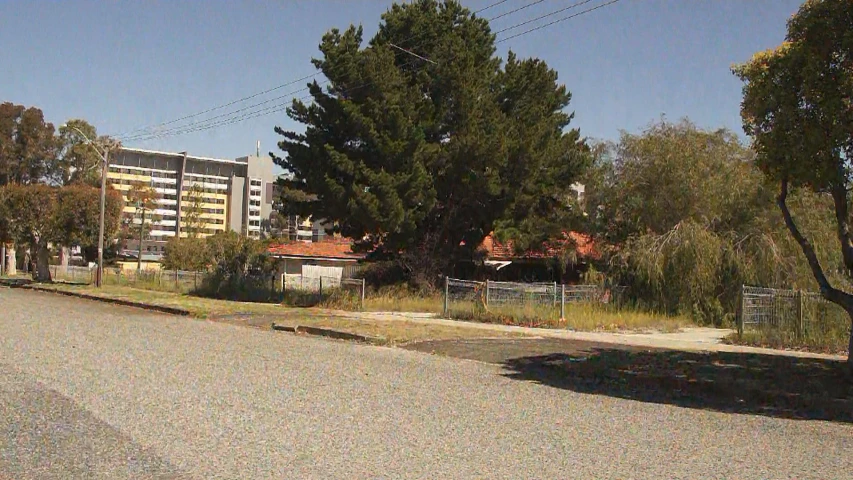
297 228
236 194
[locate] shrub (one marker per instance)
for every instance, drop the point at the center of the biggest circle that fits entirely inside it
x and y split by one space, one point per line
241 269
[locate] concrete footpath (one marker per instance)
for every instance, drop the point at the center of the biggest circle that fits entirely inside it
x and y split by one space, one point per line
694 339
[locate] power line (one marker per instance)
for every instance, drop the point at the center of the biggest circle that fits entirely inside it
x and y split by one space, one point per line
207 124
148 128
513 27
249 97
490 6
611 2
516 10
226 114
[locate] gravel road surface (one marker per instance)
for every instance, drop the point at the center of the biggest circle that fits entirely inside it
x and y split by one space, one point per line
89 390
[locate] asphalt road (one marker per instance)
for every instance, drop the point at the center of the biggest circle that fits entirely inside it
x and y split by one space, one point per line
89 390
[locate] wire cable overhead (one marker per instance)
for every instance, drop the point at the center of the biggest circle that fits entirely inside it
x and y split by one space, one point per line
251 111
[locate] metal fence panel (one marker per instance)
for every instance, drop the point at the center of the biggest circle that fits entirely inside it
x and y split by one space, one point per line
804 313
473 295
182 281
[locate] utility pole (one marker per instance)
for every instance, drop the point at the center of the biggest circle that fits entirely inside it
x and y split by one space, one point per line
100 273
141 234
105 157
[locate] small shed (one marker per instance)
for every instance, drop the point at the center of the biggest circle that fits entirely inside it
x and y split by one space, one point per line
333 257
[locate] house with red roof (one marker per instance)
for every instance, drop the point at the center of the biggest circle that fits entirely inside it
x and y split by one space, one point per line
330 253
562 259
335 257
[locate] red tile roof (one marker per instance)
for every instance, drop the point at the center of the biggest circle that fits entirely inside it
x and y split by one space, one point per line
339 248
571 241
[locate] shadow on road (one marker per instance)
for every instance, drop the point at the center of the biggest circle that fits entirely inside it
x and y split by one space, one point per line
768 385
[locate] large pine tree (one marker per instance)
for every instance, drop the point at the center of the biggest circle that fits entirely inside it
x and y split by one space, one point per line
426 151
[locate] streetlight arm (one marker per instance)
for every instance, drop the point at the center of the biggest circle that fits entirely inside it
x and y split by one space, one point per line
88 141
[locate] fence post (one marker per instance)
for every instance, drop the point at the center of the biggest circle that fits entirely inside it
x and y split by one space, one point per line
800 315
160 278
555 294
741 311
176 279
321 289
363 287
446 292
195 280
562 301
487 292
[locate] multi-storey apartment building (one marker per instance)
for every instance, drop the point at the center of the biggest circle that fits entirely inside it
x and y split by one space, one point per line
234 194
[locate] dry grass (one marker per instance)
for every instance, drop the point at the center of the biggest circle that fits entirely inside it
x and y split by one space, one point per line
197 306
410 303
833 342
242 313
578 316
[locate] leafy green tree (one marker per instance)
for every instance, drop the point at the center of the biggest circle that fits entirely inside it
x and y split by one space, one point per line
686 217
78 214
40 215
671 172
186 254
241 268
409 155
797 109
28 146
79 162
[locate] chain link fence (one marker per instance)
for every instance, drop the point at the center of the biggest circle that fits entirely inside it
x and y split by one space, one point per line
799 313
545 299
168 280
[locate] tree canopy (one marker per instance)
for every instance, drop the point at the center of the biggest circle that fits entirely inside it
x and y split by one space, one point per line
39 215
685 218
78 161
402 153
797 107
28 146
672 172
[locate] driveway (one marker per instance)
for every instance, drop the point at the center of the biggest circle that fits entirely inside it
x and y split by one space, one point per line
89 390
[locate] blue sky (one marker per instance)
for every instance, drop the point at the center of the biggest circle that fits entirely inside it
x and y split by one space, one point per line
124 65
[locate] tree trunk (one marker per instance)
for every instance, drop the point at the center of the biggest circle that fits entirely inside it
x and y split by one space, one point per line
41 272
64 257
834 295
11 261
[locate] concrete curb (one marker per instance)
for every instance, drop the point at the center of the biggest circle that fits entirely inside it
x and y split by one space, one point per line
328 333
284 328
114 301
